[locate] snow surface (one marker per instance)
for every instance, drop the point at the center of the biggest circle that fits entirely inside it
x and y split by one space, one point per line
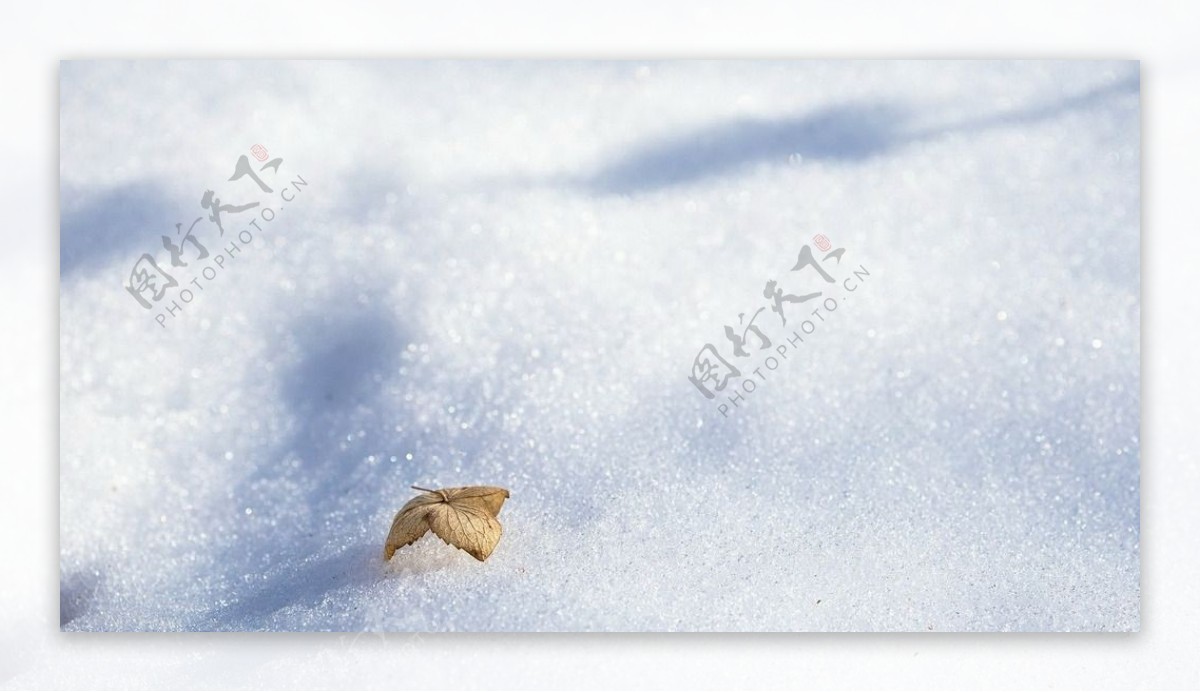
500 273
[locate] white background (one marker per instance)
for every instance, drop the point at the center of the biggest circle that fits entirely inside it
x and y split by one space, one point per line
35 38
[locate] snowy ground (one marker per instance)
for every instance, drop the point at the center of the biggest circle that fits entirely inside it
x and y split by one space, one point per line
500 273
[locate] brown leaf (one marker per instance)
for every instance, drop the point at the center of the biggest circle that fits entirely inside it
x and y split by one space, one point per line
462 517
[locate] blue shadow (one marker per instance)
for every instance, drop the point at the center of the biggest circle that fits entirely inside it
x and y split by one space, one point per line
98 226
849 133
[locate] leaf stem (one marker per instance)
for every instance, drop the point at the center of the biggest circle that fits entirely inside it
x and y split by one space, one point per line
417 487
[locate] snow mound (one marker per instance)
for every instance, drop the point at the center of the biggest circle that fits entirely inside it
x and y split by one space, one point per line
500 273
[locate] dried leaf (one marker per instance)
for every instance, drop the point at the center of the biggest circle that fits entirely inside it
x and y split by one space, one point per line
462 517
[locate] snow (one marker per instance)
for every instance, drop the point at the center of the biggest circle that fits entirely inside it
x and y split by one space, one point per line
500 272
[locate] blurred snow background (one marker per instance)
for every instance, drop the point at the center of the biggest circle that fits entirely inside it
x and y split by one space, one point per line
499 273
